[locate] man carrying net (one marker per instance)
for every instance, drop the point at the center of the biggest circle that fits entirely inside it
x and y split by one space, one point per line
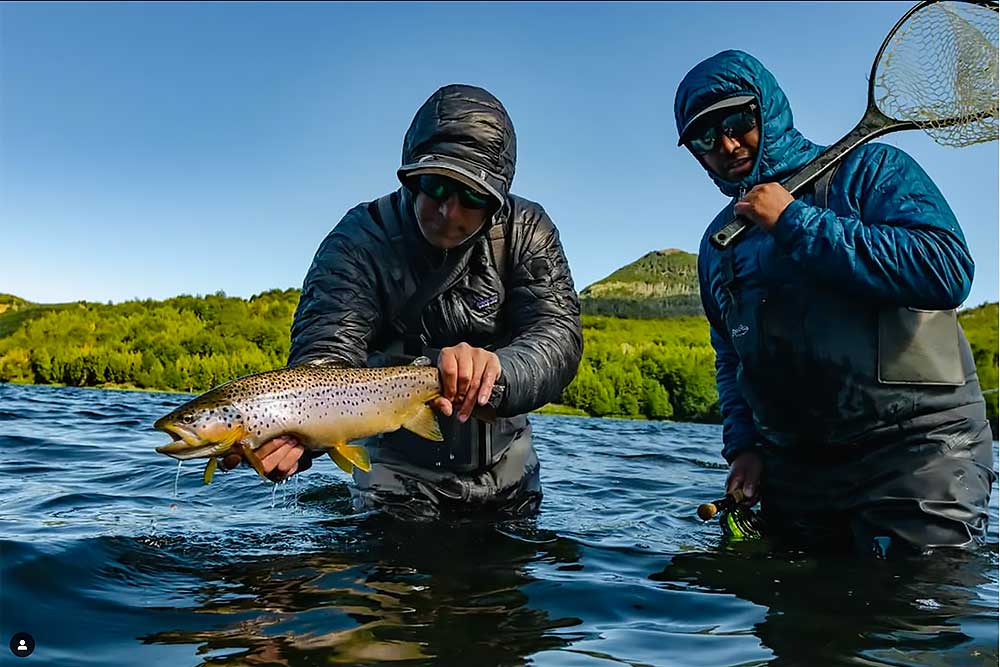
849 394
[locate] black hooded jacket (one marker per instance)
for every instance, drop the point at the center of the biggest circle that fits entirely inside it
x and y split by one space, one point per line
361 275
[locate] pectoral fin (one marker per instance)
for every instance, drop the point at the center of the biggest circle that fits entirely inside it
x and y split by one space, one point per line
341 462
254 461
424 424
209 470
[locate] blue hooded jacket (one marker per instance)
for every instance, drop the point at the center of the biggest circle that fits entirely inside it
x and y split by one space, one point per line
802 317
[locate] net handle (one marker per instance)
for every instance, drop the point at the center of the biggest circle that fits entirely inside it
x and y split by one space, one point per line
873 124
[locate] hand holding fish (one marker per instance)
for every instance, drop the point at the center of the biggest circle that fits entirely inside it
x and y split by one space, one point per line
280 458
467 377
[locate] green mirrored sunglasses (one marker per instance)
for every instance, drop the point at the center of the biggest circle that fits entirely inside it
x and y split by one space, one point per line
439 188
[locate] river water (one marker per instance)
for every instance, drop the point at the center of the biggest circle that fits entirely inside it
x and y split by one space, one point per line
104 564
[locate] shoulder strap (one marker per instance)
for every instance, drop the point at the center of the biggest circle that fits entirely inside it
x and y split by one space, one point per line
389 216
498 248
821 187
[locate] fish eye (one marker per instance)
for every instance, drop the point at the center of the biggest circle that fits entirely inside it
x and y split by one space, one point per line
188 418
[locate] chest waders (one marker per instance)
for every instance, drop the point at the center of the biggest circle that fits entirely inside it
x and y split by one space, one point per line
872 431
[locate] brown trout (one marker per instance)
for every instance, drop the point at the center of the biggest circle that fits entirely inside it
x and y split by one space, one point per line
324 407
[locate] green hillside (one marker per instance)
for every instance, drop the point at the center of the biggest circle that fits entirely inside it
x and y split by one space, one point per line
15 311
660 284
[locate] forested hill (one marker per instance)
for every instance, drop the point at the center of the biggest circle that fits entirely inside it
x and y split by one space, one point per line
659 369
660 284
186 343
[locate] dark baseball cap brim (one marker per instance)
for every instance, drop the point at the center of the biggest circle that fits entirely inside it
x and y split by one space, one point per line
477 179
721 105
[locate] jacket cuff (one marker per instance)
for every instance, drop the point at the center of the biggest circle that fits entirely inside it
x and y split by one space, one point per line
432 353
506 375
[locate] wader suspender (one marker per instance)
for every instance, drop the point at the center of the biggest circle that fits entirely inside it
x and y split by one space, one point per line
821 188
821 198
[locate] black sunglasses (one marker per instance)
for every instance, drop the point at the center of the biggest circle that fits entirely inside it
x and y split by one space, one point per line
706 139
439 188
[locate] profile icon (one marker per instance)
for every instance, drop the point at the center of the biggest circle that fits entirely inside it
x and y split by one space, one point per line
22 644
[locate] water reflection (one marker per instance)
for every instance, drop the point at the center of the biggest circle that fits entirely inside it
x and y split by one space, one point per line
842 610
435 593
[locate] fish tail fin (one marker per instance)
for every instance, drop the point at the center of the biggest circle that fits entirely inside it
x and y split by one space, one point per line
424 424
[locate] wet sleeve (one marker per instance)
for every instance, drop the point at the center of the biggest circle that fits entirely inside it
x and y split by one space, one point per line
900 244
738 432
338 312
544 311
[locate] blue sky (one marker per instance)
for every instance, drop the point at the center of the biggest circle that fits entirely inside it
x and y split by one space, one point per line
150 150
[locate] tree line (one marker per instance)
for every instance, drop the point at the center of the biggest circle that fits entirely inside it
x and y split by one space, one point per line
658 369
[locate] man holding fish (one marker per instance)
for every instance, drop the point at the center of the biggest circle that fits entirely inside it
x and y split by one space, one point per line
452 267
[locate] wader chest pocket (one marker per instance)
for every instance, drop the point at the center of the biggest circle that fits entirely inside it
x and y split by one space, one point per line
919 347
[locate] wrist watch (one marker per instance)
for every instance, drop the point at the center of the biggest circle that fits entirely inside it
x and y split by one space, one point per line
497 394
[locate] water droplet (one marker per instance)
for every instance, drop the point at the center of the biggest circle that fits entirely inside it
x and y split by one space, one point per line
177 477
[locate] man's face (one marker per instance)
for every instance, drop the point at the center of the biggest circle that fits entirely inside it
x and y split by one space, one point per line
447 210
736 137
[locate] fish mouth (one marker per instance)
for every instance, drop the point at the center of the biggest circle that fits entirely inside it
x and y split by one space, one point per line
186 445
190 445
183 451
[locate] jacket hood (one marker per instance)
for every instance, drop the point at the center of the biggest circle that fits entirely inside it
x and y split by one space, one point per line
782 150
464 132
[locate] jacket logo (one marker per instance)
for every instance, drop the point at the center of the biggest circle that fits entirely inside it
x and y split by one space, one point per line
486 302
741 330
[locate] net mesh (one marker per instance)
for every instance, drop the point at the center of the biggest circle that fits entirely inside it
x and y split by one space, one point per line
940 68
